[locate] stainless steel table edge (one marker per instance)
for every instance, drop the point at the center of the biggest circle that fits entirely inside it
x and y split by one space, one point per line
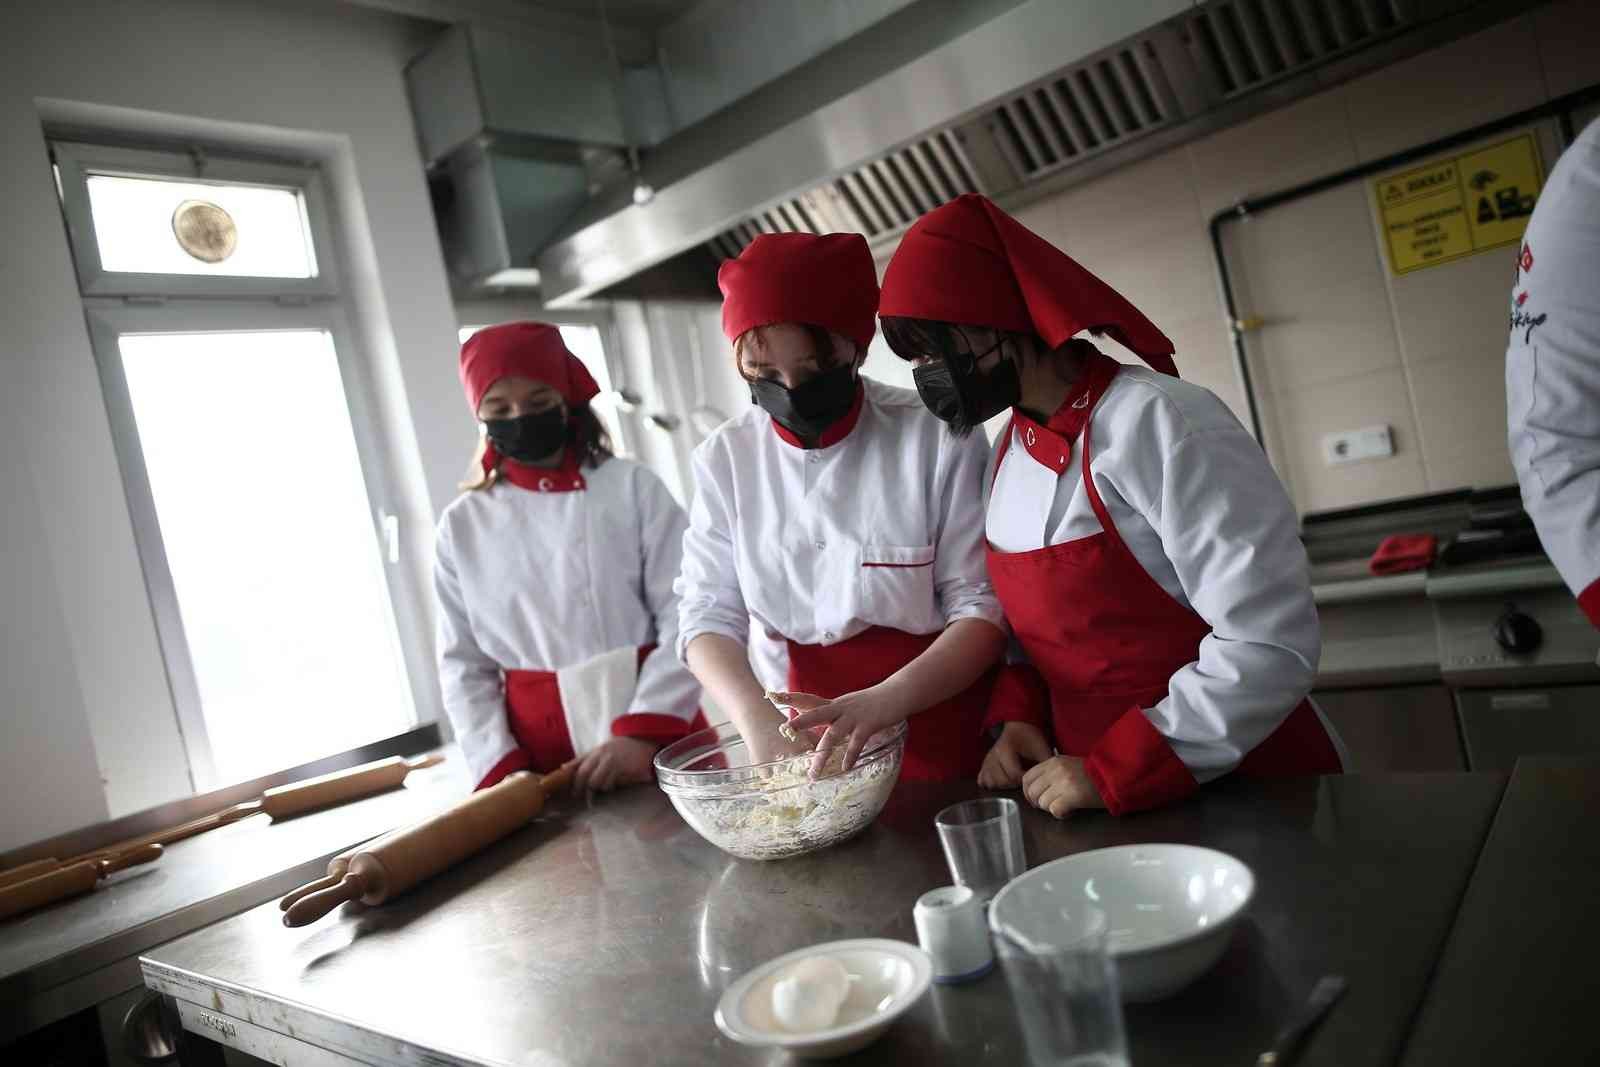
222 1004
76 987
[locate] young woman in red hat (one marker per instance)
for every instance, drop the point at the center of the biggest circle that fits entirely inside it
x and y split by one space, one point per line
1146 554
554 574
839 516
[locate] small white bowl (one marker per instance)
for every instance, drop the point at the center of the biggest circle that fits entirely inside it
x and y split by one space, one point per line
886 978
1170 909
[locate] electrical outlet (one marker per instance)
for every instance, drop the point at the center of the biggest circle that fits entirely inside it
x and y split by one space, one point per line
1352 446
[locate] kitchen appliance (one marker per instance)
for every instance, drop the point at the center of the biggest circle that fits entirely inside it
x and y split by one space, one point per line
1484 658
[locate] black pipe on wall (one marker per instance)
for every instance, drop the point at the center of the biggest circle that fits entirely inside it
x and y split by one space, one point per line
1561 107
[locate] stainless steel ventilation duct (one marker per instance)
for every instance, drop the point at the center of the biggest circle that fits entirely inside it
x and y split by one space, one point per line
723 183
943 97
1211 65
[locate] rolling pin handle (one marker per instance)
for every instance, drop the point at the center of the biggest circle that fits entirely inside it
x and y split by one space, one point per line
289 901
419 763
558 779
315 905
131 858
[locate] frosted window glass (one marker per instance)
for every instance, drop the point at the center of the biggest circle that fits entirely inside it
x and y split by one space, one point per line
268 533
133 228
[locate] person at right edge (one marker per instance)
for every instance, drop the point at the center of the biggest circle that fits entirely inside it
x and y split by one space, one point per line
1553 369
1146 555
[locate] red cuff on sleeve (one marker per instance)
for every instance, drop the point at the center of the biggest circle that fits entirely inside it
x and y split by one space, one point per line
1019 695
1589 601
650 726
1134 768
515 760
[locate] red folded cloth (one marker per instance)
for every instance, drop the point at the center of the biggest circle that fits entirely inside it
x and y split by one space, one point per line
1404 552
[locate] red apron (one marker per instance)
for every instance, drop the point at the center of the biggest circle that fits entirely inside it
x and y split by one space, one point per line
539 723
945 741
1108 639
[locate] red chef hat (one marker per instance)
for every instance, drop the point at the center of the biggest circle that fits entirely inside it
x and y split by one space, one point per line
826 281
970 263
525 350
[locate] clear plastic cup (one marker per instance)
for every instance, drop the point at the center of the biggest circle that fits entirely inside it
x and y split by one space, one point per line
982 842
1064 988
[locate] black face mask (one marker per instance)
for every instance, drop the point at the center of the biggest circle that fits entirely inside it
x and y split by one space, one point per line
811 407
956 391
529 437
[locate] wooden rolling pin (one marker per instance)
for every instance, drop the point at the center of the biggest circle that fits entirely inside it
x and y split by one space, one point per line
337 867
280 802
69 881
23 872
395 863
325 791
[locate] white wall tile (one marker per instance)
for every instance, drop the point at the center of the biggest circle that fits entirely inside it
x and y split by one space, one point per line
1043 217
1485 76
1483 469
1333 331
1305 140
1167 280
1457 309
1460 402
1295 249
1303 416
1140 206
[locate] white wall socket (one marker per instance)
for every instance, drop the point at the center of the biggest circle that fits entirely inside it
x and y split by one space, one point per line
1352 446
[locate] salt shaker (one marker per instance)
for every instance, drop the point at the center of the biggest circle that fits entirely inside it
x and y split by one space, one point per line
951 928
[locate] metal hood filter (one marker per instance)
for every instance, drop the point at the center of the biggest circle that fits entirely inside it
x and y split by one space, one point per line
1011 99
725 182
1192 72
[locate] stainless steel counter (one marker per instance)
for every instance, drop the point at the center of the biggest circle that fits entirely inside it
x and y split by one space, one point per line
606 934
1515 983
80 952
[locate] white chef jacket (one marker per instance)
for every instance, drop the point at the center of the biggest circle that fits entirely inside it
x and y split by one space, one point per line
545 580
882 528
1553 369
1199 506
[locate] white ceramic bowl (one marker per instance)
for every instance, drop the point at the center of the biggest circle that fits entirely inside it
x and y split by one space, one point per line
886 978
1170 909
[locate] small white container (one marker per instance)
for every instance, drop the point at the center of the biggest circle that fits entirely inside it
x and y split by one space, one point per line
952 929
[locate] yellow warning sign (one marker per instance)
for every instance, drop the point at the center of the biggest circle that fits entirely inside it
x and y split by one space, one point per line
1455 207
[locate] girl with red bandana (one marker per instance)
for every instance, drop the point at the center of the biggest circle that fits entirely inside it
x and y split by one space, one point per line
554 574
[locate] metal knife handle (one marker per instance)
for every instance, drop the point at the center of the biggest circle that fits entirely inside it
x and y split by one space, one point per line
1323 996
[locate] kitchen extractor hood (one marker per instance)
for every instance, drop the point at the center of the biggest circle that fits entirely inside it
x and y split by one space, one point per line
932 99
870 94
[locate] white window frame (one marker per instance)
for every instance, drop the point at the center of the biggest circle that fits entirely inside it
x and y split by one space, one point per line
118 303
75 162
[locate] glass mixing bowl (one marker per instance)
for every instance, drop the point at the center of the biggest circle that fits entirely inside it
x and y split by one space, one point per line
766 811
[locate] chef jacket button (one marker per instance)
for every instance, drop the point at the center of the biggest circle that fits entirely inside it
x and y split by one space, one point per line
822 544
827 635
812 457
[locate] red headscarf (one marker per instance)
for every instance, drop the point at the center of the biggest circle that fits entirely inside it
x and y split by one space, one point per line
826 281
970 263
524 350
